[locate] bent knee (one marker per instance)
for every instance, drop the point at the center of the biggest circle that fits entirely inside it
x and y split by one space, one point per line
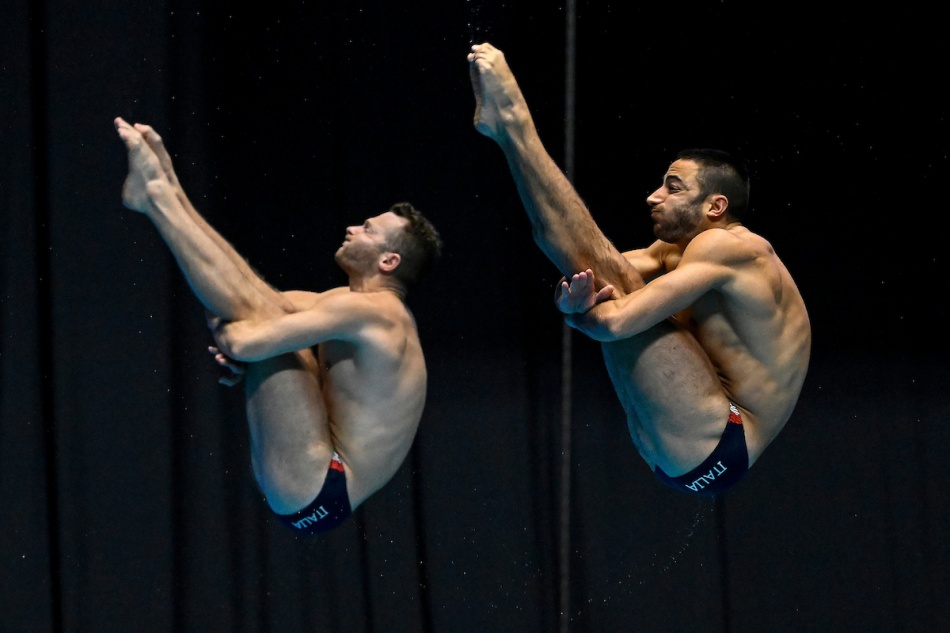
291 481
287 492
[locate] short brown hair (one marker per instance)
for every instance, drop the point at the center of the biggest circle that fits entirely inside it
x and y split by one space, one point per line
723 173
418 244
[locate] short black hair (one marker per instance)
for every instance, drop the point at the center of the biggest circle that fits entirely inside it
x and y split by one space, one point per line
418 244
723 173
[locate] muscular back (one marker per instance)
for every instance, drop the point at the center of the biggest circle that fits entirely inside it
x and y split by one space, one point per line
756 331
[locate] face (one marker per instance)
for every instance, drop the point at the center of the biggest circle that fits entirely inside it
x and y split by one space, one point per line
364 243
675 207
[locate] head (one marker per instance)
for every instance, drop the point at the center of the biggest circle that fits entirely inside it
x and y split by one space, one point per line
400 243
417 243
702 188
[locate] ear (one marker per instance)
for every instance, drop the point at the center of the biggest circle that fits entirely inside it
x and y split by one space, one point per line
718 204
388 262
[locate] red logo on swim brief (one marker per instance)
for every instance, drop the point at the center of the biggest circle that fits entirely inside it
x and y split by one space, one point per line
734 416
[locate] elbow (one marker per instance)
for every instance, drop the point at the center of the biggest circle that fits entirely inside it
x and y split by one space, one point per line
595 329
247 352
607 330
238 351
238 348
603 334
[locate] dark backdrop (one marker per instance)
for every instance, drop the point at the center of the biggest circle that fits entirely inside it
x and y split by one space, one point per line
127 501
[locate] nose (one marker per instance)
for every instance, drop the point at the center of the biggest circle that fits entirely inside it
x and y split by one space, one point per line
655 198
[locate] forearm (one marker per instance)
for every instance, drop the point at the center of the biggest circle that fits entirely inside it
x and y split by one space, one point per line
589 326
252 340
242 340
618 319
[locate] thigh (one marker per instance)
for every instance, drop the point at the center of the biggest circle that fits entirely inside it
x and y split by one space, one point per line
287 416
675 403
284 384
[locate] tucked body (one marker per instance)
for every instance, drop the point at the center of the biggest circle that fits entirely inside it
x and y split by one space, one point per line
335 381
702 321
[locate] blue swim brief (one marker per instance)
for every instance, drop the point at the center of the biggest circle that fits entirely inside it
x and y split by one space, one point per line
328 510
723 469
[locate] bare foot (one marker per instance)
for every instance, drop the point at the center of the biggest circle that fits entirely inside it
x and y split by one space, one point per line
144 167
498 99
155 142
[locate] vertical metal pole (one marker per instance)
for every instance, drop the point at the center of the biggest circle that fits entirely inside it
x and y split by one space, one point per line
566 376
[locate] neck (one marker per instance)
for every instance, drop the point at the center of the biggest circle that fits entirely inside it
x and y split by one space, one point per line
378 284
